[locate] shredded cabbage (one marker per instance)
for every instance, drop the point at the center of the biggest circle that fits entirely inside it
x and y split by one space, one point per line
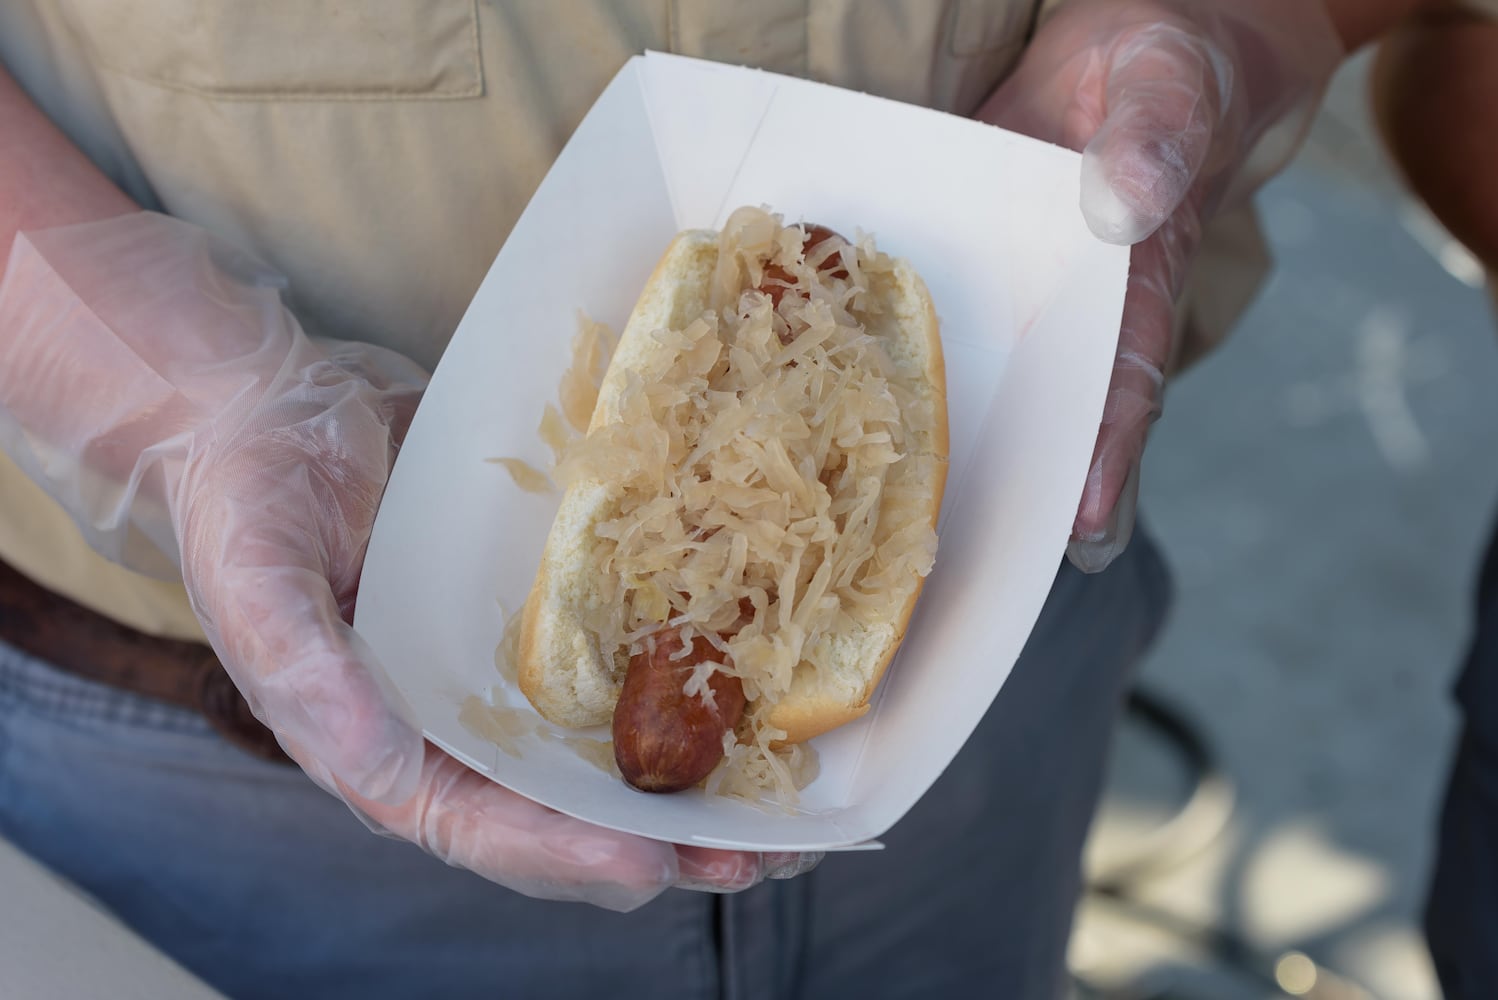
749 460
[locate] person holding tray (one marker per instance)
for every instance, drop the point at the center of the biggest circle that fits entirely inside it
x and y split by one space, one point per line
195 447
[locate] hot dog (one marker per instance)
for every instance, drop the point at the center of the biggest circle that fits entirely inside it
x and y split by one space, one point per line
664 739
748 523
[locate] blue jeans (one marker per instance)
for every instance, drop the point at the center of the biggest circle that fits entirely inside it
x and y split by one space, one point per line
255 880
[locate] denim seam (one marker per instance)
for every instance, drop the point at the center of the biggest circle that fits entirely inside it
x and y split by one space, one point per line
6 794
5 777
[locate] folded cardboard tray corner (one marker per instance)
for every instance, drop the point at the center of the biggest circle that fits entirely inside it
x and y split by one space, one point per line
1029 304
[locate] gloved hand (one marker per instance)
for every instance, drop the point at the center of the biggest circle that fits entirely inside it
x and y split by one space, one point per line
152 381
1181 108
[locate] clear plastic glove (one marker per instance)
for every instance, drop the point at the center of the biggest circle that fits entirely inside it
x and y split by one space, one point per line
1181 108
153 383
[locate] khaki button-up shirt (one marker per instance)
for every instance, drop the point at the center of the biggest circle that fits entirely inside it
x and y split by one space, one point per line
377 152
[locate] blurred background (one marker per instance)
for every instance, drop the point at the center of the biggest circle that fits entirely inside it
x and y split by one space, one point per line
1322 487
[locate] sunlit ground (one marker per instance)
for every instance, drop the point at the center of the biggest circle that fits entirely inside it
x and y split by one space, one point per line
1322 487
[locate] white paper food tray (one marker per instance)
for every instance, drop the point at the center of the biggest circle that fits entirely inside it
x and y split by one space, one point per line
1030 304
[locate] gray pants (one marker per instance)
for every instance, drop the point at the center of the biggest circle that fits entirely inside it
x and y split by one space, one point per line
265 887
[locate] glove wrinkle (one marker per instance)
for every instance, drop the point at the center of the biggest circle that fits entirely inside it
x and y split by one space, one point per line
1181 109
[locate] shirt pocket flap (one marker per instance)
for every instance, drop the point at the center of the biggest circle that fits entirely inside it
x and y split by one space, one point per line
289 49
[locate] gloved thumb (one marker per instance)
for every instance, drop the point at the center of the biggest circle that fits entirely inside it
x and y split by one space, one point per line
258 577
1165 95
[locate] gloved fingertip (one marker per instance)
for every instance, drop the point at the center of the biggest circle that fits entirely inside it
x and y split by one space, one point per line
1108 215
1097 541
1094 555
784 866
719 871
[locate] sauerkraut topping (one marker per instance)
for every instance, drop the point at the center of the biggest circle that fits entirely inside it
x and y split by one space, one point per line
592 346
753 765
526 476
750 461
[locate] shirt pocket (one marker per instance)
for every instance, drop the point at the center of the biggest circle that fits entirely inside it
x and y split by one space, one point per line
251 50
983 26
